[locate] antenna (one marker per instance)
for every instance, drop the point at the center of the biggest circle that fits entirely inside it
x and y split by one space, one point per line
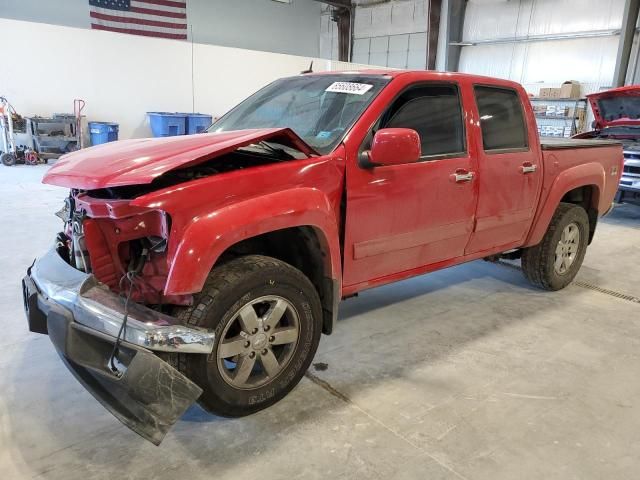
309 70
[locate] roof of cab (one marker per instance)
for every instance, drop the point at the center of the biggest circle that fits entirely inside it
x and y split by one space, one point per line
422 73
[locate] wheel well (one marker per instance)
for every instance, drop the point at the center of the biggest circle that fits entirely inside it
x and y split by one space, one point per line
587 197
301 248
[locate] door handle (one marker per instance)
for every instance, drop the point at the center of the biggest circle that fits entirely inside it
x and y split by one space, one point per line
528 167
461 176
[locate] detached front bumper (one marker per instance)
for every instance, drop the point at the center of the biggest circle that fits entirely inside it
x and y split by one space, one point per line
82 318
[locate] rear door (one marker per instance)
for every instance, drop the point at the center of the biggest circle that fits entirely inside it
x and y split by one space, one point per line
509 169
403 217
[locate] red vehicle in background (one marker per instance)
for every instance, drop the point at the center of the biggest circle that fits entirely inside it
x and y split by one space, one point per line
617 116
232 249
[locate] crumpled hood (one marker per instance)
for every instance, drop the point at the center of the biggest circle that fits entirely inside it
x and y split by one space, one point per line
617 107
139 161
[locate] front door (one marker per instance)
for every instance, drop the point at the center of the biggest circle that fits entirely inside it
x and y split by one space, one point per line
403 217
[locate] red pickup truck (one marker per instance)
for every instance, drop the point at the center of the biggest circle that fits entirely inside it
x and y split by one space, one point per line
206 267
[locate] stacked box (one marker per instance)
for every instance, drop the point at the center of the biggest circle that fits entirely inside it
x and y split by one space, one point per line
549 93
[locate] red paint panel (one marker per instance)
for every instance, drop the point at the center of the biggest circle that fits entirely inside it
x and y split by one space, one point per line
404 217
139 161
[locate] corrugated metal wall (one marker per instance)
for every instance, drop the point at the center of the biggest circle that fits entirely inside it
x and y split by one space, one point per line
328 35
391 34
588 55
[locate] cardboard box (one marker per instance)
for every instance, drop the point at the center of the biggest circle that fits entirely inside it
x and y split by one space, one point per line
549 93
570 89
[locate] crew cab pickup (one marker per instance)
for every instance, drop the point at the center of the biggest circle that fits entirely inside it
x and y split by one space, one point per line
617 116
206 267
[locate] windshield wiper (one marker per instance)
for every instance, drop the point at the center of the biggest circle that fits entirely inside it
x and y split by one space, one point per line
269 148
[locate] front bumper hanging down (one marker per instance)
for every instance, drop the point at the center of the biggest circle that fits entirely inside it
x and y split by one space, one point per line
82 318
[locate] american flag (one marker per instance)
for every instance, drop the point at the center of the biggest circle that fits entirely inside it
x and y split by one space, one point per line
151 18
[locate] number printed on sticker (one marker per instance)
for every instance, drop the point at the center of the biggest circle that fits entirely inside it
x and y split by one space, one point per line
349 87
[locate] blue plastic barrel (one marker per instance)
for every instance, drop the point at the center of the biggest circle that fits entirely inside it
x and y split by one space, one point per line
103 132
165 124
197 122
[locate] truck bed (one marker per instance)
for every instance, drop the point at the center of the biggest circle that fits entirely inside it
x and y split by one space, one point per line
562 143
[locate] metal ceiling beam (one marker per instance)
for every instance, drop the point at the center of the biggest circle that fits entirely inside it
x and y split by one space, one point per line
629 21
337 3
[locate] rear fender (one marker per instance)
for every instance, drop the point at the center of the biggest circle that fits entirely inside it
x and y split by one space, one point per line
579 176
207 236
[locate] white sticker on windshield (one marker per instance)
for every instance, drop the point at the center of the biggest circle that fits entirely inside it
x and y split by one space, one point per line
349 87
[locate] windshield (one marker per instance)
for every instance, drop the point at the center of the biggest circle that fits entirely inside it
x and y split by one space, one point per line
319 108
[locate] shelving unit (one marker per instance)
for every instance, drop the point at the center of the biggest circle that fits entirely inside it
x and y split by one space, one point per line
549 125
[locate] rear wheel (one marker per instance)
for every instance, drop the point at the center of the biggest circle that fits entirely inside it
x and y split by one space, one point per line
267 319
555 261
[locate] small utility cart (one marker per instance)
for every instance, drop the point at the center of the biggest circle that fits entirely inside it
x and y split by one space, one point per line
33 140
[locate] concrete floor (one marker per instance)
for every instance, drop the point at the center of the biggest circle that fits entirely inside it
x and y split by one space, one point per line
464 373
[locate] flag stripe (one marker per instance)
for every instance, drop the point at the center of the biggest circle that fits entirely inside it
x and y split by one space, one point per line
145 28
160 13
165 3
137 20
159 8
123 14
145 33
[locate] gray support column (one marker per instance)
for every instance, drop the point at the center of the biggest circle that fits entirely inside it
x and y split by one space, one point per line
433 31
455 17
627 32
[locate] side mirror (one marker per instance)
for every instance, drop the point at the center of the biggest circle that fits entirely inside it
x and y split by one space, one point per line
395 146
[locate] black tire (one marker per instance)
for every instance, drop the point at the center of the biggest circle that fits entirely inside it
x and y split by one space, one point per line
8 159
228 289
538 262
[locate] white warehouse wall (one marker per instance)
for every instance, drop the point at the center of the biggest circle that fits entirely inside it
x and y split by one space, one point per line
121 77
391 34
265 25
538 64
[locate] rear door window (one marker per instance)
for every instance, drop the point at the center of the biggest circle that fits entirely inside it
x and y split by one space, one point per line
501 119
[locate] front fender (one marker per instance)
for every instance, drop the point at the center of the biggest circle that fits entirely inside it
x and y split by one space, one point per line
574 177
207 236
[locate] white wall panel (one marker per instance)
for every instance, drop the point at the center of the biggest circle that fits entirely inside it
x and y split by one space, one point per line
264 25
130 75
398 51
591 61
385 34
378 51
328 37
361 50
494 19
417 57
390 18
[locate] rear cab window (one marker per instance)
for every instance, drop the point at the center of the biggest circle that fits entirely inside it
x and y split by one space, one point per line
501 119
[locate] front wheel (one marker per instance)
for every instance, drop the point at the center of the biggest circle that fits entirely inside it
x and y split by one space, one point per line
267 320
555 261
8 159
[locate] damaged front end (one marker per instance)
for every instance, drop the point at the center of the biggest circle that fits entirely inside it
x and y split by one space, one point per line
73 293
84 320
101 293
